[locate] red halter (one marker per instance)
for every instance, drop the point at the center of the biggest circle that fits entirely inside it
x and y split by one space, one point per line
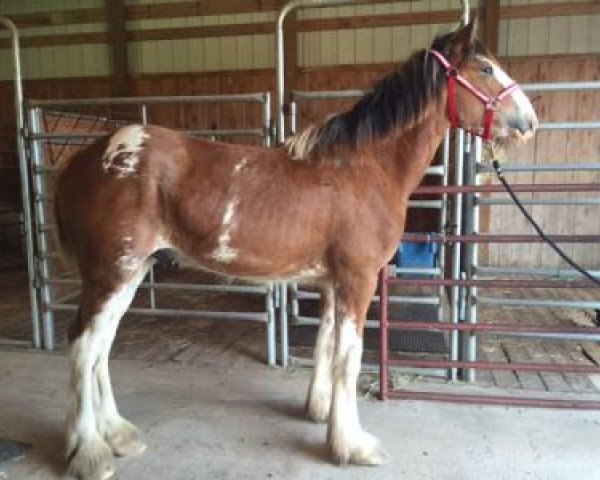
490 103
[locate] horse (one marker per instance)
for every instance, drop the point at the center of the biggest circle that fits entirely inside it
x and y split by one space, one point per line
327 208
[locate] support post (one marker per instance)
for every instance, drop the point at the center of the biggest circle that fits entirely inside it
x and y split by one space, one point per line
117 35
383 338
40 191
24 175
491 20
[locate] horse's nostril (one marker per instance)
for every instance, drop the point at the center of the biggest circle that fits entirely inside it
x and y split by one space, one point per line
533 123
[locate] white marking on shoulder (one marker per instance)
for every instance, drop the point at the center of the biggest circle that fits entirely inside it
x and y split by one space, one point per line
224 253
122 152
240 165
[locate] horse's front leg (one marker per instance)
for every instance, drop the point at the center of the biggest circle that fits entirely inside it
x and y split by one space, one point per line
346 439
318 400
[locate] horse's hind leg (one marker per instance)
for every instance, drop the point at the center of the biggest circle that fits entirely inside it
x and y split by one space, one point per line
346 439
121 435
318 400
91 402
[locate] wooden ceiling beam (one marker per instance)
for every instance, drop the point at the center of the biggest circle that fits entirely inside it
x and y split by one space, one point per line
117 37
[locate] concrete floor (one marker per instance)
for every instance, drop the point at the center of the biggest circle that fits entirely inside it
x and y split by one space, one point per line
244 421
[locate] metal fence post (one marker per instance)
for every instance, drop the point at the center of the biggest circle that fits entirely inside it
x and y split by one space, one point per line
25 179
40 195
456 249
283 323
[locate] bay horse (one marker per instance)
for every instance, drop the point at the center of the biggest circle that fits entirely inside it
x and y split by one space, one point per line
327 208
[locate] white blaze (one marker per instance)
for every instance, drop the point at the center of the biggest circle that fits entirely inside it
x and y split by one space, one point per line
523 104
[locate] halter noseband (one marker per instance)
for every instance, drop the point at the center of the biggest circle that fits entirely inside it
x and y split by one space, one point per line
489 103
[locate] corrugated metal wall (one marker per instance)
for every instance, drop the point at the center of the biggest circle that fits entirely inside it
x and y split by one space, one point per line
57 61
550 35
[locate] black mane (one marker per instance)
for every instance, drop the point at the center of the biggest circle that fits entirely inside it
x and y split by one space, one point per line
396 101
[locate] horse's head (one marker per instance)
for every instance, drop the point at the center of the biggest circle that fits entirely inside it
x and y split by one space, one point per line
482 98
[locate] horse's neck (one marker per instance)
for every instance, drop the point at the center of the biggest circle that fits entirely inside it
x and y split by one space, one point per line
414 149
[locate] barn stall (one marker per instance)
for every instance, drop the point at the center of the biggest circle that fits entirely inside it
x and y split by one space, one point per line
491 316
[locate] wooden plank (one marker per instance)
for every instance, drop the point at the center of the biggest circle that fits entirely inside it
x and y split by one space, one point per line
61 17
206 31
518 354
290 53
491 32
554 382
53 40
115 11
200 8
549 10
558 354
503 378
592 350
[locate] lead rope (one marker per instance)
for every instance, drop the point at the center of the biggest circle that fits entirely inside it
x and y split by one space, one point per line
540 232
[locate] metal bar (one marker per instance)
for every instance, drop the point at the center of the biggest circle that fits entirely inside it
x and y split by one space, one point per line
500 238
293 117
40 188
314 321
383 331
545 167
8 342
466 11
495 400
473 254
569 126
271 341
66 298
443 221
76 102
431 204
86 137
416 300
551 272
523 187
541 201
283 323
526 302
489 327
246 289
485 283
308 95
173 312
517 367
24 179
456 249
266 119
560 86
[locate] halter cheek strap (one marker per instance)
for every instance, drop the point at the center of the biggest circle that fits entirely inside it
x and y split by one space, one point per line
490 103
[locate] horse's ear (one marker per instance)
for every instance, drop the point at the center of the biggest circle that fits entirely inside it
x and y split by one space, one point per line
463 38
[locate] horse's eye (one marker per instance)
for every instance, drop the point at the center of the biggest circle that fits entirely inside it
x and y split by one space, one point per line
488 71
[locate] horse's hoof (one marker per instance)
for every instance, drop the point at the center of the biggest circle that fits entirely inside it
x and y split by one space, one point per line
372 456
92 460
363 450
317 408
125 440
